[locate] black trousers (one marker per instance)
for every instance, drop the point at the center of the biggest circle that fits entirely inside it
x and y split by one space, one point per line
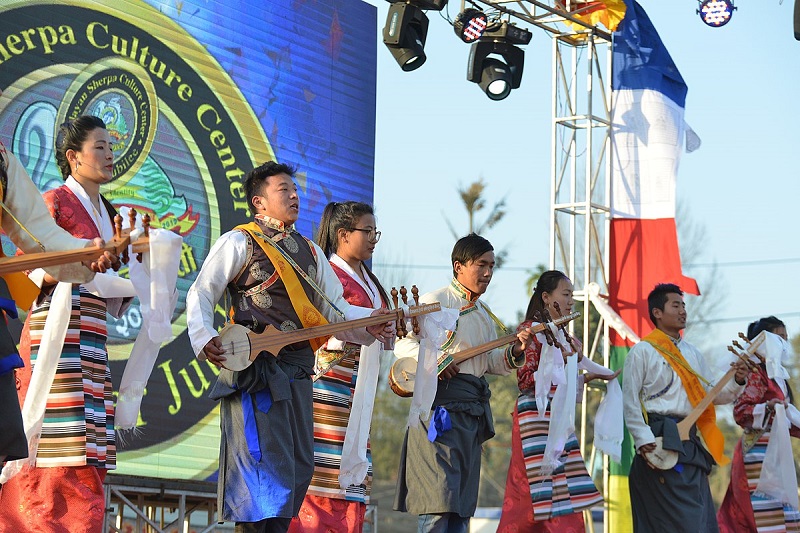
268 525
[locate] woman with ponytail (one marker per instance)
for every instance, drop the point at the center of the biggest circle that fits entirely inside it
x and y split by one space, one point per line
547 487
747 508
345 382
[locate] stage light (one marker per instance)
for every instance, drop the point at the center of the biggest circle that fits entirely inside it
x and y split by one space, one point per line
716 13
406 29
509 33
404 35
497 78
470 25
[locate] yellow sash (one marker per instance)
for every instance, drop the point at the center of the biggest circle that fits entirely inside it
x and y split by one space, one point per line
308 314
22 290
707 423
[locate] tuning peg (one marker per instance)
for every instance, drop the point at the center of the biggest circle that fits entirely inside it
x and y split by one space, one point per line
743 357
400 325
414 322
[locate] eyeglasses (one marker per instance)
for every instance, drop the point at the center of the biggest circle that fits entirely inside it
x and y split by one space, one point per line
372 234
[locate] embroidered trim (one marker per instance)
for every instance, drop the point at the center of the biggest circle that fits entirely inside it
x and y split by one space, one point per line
463 291
300 271
661 392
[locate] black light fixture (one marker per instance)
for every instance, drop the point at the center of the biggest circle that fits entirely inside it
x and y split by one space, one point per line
715 13
497 78
406 29
470 25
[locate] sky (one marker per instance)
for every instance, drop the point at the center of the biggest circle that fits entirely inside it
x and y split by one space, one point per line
740 191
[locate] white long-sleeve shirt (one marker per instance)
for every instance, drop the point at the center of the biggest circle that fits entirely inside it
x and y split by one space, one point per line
225 261
474 328
24 200
649 380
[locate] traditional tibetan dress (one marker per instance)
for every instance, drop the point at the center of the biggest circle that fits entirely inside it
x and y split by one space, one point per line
23 200
267 441
442 476
328 506
534 502
743 510
663 379
77 445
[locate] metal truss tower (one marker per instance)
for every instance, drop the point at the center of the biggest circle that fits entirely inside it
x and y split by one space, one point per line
580 170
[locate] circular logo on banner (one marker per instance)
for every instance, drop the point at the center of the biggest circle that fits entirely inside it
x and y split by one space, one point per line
183 138
121 93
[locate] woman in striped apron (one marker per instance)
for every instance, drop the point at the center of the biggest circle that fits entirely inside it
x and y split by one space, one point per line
548 486
345 382
76 444
744 510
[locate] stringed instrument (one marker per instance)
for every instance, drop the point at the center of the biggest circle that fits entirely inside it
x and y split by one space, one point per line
666 459
328 359
403 374
118 246
242 345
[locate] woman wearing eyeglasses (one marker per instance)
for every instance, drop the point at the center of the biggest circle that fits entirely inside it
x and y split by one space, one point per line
345 382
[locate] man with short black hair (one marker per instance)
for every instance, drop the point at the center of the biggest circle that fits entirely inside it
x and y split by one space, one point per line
440 469
274 276
663 379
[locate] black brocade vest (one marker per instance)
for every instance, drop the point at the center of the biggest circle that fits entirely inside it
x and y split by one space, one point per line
258 294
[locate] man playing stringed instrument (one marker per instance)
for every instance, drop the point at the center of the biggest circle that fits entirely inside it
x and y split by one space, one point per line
663 379
440 460
277 277
28 224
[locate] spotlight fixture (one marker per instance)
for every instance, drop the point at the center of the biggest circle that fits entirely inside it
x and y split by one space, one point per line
715 13
504 31
405 31
497 78
404 35
470 25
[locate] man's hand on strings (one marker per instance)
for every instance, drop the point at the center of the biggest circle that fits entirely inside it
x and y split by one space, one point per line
647 448
213 351
384 332
524 339
450 371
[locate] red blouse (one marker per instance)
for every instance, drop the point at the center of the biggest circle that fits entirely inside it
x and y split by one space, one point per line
533 352
760 389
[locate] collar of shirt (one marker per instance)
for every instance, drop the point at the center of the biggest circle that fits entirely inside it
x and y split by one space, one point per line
102 220
675 341
463 291
273 223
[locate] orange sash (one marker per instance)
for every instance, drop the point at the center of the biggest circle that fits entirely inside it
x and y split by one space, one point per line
707 423
308 314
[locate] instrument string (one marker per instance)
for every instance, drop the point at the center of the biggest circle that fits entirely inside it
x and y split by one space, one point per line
252 343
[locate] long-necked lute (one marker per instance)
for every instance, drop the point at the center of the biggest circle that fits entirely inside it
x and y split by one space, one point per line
242 345
118 245
666 459
403 373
